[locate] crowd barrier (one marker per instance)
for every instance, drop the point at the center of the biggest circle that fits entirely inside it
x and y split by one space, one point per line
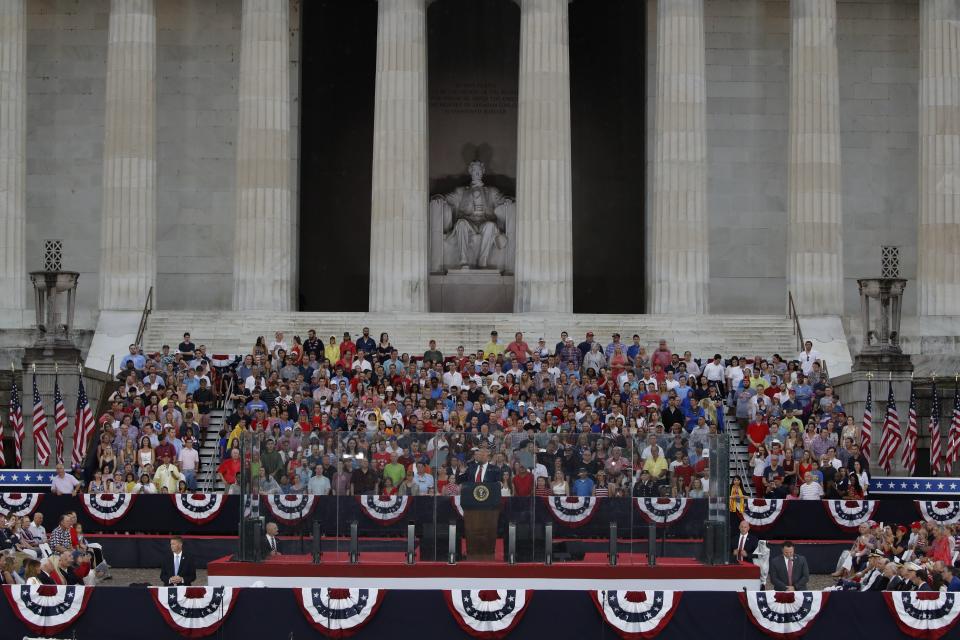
219 514
175 612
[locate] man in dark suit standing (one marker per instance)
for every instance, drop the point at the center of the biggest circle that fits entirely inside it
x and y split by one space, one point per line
480 469
789 572
270 545
745 544
177 569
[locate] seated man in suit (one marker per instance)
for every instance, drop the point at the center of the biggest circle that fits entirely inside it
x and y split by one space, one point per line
177 568
746 543
789 572
480 469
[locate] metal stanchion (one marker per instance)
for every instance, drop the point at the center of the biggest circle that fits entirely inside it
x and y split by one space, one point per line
411 542
612 554
512 543
652 545
317 542
452 544
354 542
548 544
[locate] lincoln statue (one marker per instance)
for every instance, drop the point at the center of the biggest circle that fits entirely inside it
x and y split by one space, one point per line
473 219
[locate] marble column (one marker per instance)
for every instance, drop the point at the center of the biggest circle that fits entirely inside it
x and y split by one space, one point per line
13 135
263 276
939 184
544 258
679 250
815 216
399 200
128 259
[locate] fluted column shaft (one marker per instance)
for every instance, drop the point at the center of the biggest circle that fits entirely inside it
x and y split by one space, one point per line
13 136
398 225
815 225
263 277
939 184
544 262
128 260
679 250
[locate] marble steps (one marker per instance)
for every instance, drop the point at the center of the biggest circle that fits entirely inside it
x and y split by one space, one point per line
234 332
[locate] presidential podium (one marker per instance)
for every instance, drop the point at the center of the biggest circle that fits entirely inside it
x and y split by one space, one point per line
481 512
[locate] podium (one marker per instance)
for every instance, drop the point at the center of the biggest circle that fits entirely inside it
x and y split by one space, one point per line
481 512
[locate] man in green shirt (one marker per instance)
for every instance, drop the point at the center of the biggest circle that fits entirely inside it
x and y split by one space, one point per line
432 354
394 470
271 460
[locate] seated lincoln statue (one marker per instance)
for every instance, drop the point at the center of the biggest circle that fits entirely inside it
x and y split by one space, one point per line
470 226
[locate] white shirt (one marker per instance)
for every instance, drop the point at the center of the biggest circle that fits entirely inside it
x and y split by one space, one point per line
714 372
188 459
811 491
807 360
742 543
38 531
451 378
176 561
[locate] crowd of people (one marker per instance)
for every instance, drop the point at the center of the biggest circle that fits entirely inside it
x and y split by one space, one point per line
357 416
29 554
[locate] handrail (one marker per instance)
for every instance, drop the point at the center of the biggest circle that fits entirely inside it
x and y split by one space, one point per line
111 366
792 311
215 461
147 310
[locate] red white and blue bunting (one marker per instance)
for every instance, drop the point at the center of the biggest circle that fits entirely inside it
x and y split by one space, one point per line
384 510
662 511
783 614
107 508
194 612
47 609
940 511
850 514
570 510
19 504
487 613
290 509
339 613
198 508
636 615
924 614
762 513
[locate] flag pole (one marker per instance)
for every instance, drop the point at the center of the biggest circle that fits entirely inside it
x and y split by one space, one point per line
33 427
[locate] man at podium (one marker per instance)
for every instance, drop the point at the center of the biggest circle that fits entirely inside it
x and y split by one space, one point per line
480 470
480 498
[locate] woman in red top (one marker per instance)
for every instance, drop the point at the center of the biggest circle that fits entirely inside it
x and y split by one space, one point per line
806 464
618 362
522 480
297 350
387 489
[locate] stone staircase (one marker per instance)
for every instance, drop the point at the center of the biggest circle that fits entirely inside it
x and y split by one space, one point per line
207 480
236 332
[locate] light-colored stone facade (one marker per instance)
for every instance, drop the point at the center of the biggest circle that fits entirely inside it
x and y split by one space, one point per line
747 71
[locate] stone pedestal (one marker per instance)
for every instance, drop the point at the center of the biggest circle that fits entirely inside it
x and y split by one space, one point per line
881 301
128 260
54 326
398 214
471 291
815 213
679 251
263 277
938 254
544 265
13 138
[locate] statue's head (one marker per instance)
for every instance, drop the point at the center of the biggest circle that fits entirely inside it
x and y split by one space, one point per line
476 169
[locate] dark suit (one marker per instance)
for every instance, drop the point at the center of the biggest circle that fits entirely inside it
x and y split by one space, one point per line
749 546
265 547
187 570
778 573
491 474
45 578
896 584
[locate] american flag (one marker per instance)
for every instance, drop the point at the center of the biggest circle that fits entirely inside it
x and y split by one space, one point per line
40 440
16 423
867 427
953 442
84 425
59 418
935 432
909 458
890 438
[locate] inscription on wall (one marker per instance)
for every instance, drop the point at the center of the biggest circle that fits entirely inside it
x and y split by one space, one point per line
482 98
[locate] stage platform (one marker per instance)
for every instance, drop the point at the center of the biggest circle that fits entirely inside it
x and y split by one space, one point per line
388 570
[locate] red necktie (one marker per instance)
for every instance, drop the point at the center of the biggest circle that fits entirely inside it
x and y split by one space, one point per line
479 473
56 577
743 540
789 572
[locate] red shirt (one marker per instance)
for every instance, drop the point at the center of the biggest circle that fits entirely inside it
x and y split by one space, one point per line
519 351
229 469
523 484
757 431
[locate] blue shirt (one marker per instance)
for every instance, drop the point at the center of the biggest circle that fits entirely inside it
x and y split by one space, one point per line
583 487
954 584
138 361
